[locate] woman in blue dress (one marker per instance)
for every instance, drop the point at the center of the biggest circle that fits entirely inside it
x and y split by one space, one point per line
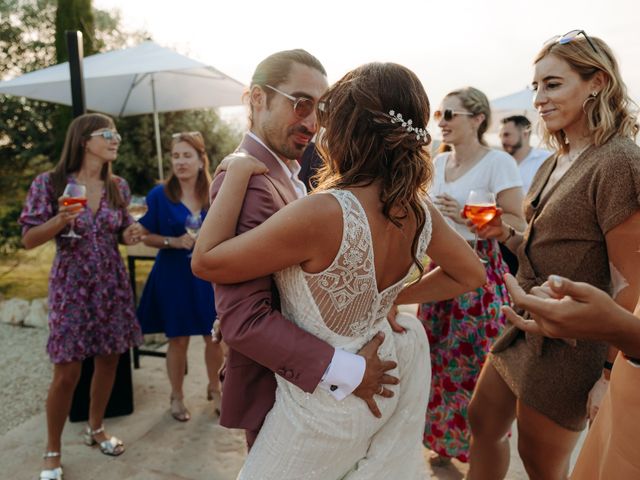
174 301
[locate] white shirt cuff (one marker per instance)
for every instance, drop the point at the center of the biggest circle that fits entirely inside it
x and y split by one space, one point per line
344 374
633 363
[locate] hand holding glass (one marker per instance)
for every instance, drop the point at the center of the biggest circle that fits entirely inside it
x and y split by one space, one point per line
480 208
137 207
192 224
74 194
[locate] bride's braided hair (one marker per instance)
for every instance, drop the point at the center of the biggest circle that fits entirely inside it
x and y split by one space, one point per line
363 142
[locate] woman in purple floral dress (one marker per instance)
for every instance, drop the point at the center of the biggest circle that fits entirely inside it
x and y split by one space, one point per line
462 330
91 310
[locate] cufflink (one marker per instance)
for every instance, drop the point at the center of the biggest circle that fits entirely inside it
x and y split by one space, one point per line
333 388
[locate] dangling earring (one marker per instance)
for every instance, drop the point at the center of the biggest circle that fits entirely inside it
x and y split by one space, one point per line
592 96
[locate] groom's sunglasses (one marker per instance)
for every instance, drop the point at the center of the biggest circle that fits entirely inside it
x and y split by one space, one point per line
302 106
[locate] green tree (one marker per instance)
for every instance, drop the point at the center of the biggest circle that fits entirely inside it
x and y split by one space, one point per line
27 140
137 157
74 15
71 15
108 32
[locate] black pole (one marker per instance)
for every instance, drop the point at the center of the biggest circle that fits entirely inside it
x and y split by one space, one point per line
74 47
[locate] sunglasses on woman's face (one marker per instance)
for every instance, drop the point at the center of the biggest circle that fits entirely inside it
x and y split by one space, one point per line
108 135
570 37
449 114
302 106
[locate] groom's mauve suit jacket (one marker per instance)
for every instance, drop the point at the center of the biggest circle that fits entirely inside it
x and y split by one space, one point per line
261 341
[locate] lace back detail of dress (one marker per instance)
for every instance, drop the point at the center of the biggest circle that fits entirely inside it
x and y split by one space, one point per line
346 292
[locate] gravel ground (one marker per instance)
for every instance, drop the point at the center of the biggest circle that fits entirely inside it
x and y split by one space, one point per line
26 374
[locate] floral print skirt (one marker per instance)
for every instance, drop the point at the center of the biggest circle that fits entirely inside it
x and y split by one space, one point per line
461 332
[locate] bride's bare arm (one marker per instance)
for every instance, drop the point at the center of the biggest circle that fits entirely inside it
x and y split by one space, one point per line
294 235
222 217
459 269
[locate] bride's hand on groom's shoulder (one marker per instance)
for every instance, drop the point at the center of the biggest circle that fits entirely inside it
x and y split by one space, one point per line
375 375
241 161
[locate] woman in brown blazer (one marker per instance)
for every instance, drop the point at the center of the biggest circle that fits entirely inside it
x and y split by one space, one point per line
583 214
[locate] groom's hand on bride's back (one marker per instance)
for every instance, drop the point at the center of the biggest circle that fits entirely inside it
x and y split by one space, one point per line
375 375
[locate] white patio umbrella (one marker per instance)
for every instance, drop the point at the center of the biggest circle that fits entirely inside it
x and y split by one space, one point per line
518 103
144 79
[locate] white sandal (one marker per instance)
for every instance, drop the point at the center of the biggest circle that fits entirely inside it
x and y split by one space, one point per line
112 447
216 396
54 473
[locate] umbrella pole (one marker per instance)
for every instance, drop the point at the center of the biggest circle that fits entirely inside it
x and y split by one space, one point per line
156 127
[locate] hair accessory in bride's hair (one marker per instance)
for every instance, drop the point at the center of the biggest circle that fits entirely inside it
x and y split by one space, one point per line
420 133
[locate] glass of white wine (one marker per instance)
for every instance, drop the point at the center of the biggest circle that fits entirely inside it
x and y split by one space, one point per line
137 207
192 224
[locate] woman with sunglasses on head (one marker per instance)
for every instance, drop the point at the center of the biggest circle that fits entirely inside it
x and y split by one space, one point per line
91 310
583 213
462 330
174 301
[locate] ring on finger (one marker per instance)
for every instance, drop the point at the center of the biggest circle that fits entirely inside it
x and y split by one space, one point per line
381 391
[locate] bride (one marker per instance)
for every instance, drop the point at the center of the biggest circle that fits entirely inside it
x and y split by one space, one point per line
342 255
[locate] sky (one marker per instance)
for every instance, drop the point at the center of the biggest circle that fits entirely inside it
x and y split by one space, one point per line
488 44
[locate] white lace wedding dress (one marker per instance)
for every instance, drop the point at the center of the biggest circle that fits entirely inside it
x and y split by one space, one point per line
314 436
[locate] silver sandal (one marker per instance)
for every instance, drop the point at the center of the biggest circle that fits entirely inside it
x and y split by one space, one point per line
54 473
112 447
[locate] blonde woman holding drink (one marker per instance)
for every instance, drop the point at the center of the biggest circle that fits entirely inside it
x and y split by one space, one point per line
462 330
174 302
91 311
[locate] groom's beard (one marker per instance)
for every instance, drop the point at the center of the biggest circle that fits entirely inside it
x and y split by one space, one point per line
300 136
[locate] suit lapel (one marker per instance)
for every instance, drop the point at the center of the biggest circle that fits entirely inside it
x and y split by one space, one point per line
276 175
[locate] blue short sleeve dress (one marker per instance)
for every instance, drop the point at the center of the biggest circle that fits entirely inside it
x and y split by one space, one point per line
174 301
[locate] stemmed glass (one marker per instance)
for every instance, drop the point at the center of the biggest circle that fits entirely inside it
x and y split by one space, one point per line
74 194
480 208
192 224
137 207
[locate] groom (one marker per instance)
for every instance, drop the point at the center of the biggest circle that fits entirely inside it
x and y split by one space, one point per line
262 343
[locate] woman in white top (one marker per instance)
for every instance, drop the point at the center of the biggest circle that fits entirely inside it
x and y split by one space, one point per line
462 330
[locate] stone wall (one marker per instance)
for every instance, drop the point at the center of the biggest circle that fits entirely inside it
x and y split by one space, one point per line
20 312
17 311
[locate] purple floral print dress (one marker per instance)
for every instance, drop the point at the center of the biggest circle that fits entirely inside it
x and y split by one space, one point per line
91 310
